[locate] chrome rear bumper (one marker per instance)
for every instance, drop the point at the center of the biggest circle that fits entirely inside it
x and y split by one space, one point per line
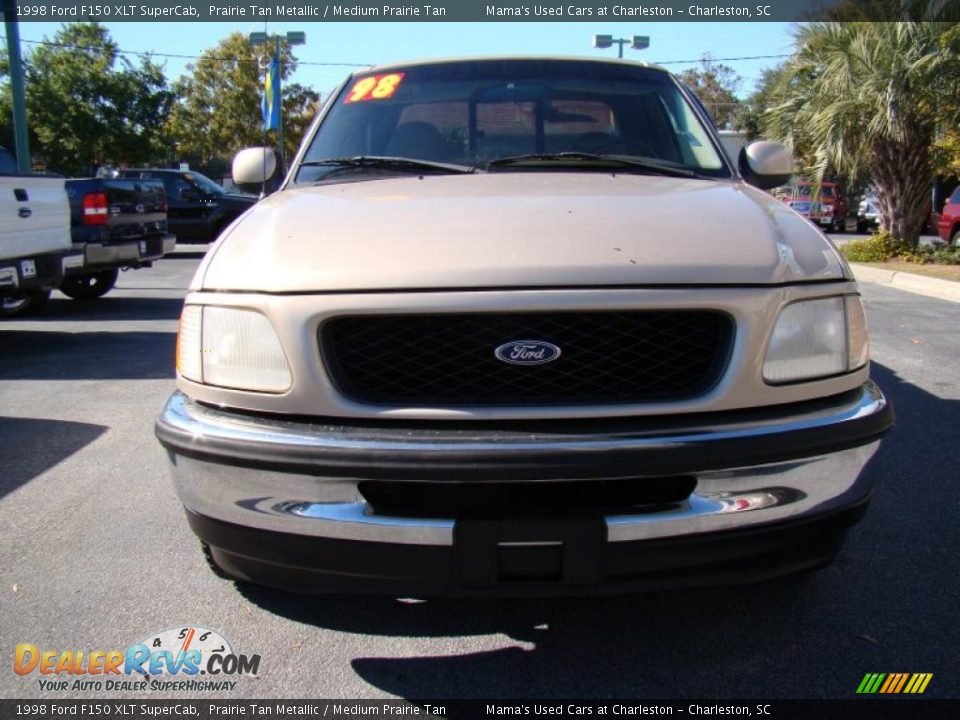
99 255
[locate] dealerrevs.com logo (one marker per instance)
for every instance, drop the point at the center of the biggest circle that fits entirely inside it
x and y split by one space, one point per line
188 658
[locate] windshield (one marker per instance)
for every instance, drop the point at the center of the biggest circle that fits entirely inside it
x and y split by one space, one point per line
205 183
470 113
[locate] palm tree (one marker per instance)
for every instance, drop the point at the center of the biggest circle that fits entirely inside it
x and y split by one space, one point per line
868 96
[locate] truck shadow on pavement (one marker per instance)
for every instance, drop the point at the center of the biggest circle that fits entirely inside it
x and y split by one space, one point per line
21 440
60 309
197 254
56 355
887 600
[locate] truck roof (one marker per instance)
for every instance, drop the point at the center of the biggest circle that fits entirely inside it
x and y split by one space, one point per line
495 58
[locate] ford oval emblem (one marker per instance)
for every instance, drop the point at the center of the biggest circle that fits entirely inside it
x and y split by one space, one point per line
527 352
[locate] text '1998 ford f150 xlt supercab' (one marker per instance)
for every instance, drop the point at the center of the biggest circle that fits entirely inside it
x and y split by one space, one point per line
518 326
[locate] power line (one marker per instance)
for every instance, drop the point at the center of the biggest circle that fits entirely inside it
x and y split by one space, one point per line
713 59
177 56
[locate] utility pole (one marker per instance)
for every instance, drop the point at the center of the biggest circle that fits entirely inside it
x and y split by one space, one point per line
17 92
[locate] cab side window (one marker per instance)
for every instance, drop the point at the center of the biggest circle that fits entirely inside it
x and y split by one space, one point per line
179 185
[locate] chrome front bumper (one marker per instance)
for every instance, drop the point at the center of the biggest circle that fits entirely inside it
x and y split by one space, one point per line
751 468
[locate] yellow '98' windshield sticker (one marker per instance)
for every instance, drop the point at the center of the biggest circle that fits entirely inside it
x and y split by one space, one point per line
374 87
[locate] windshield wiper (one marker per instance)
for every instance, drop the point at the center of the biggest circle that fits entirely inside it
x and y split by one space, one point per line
573 158
390 163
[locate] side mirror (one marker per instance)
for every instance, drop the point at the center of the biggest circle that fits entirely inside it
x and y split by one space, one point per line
252 167
766 164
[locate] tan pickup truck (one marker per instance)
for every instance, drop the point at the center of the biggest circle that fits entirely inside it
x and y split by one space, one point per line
518 326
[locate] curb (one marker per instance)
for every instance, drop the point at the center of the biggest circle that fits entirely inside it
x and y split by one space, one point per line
918 284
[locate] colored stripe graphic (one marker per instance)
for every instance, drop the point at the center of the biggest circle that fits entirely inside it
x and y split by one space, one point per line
894 683
891 680
903 681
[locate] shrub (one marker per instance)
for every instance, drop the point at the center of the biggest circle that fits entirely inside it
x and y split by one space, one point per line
882 247
877 248
930 254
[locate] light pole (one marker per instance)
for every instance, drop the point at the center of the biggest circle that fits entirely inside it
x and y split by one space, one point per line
17 92
638 42
291 38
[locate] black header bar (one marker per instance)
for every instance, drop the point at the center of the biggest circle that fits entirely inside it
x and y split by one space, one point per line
873 708
482 10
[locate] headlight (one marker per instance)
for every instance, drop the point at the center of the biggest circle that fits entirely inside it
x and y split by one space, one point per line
817 338
231 347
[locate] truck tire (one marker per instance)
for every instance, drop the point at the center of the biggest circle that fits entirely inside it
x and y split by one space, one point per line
955 239
31 302
89 286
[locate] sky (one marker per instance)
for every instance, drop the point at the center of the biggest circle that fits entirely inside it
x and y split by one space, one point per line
382 42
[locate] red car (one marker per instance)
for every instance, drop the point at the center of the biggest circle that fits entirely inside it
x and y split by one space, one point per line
829 211
949 225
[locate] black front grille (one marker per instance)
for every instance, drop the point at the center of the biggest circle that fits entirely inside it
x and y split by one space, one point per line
448 359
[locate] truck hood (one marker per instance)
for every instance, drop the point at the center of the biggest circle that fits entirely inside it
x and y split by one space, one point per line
517 229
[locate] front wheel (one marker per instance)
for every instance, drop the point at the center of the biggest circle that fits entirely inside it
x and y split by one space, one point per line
89 286
955 239
30 302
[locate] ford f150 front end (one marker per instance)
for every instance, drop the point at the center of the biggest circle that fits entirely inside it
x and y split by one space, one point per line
517 326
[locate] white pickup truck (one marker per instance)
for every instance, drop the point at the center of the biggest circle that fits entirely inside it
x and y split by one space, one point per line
35 246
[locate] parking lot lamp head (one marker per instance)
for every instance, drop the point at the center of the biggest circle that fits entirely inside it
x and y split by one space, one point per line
638 42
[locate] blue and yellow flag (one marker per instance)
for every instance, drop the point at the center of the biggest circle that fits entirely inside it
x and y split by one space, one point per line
271 96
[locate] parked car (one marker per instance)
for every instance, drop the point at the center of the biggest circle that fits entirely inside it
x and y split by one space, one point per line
518 325
828 210
35 243
116 224
948 225
198 209
868 215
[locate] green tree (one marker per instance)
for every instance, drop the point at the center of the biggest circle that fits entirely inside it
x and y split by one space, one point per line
87 105
775 86
218 109
869 96
716 85
765 95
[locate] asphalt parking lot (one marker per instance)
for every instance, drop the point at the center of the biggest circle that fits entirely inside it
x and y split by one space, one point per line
96 553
